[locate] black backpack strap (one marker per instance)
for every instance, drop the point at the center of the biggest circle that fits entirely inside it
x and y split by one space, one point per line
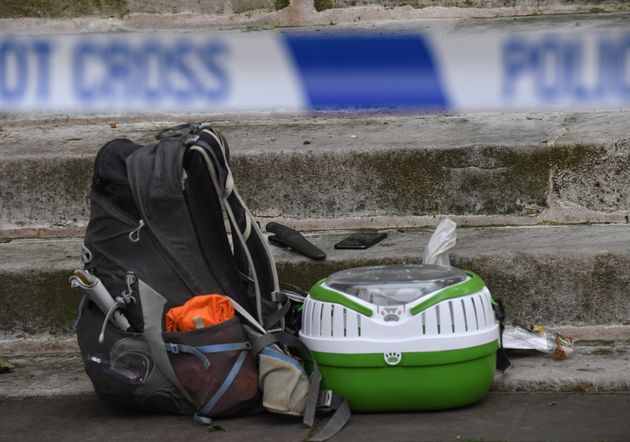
152 308
276 318
316 400
503 362
250 250
336 422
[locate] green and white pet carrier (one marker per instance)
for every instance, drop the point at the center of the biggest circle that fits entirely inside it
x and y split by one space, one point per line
403 337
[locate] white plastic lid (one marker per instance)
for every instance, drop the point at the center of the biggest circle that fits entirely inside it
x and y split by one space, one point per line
394 284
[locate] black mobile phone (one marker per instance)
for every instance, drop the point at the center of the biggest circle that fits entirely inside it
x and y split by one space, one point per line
361 240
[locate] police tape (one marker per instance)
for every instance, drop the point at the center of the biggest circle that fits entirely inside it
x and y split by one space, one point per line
302 71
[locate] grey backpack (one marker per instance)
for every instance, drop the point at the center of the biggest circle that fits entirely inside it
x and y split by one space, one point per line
156 238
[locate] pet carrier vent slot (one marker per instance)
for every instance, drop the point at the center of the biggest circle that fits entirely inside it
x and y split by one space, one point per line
432 320
327 316
482 302
437 316
313 321
474 307
332 320
465 315
338 321
306 324
459 320
424 327
352 326
445 316
321 318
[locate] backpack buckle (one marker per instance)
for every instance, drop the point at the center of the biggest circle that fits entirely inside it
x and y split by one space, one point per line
171 348
279 296
324 400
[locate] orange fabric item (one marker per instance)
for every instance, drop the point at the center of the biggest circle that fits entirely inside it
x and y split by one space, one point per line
199 312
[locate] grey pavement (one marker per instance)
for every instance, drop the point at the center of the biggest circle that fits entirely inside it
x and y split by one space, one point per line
514 417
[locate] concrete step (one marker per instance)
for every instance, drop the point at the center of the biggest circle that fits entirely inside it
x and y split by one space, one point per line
552 275
327 172
53 368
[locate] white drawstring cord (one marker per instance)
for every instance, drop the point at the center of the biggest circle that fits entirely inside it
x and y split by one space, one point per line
117 304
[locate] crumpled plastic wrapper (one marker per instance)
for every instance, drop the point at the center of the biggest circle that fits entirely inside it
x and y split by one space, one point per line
537 338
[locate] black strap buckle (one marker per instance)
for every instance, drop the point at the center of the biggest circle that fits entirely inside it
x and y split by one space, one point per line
279 296
324 400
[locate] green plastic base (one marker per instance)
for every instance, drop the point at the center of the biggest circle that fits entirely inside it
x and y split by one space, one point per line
421 381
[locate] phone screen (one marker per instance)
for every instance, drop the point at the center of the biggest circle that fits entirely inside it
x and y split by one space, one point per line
360 240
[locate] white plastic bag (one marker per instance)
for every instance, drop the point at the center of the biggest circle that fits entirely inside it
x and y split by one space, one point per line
442 240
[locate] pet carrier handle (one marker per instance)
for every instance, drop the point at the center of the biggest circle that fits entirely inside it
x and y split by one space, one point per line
465 288
295 240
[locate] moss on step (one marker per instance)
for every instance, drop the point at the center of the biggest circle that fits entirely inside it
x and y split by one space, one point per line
63 8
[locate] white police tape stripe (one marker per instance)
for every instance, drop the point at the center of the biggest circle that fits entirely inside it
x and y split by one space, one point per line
542 70
144 72
300 71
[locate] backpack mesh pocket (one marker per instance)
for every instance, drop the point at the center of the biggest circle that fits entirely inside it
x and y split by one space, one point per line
215 366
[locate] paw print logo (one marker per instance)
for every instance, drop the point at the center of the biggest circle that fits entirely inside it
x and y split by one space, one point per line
392 358
390 314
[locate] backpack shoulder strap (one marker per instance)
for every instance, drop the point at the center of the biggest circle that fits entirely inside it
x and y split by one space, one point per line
250 248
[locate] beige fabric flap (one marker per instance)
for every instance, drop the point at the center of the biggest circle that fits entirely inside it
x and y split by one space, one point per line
284 386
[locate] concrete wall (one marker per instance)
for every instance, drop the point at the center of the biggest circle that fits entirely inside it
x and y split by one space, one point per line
298 10
327 4
121 8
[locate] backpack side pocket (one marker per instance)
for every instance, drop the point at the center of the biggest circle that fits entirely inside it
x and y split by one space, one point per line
283 381
122 368
215 366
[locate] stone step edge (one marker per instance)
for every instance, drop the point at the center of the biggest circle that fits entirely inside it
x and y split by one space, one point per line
572 201
116 120
47 343
297 13
554 215
523 266
596 367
